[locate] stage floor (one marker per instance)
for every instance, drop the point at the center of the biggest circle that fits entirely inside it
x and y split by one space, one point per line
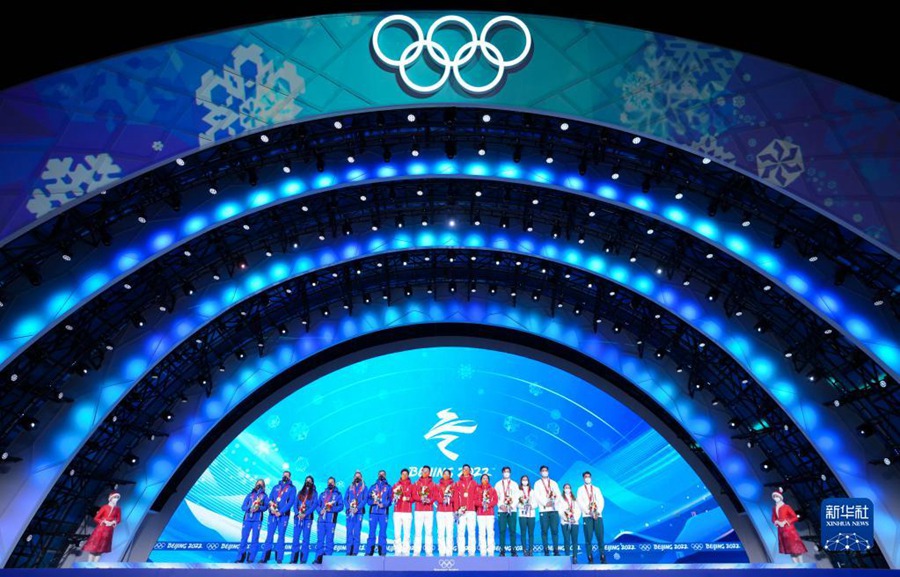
464 566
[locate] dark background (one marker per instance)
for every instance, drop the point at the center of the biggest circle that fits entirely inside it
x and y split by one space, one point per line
856 44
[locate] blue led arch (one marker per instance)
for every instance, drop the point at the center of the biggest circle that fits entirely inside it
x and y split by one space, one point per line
850 313
129 363
244 378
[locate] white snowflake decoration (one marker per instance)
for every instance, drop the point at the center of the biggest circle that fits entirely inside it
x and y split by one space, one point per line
465 371
780 163
708 146
65 180
157 145
236 103
669 93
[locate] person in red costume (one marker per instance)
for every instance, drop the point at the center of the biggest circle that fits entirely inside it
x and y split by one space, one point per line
784 518
403 501
424 496
106 519
464 502
445 500
486 500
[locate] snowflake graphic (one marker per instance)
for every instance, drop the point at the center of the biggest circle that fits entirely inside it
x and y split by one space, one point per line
251 92
300 465
299 431
157 145
708 146
738 101
670 91
65 180
465 371
273 422
848 542
780 163
511 424
553 428
535 390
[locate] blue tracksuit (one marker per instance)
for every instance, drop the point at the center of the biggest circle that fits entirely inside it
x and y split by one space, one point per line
281 499
256 499
303 520
328 506
354 497
379 501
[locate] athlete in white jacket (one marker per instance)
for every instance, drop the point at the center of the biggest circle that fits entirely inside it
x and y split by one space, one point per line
526 507
570 514
590 500
507 502
546 493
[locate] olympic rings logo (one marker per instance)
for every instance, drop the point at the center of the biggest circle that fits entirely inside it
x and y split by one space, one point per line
446 563
477 43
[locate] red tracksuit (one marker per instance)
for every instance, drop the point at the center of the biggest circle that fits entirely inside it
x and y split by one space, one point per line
479 501
404 504
464 493
439 496
425 486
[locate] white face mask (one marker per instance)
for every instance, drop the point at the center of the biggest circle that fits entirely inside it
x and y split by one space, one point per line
545 474
568 491
506 475
587 480
524 483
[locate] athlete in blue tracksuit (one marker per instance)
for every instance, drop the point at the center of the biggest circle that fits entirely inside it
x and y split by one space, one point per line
304 508
255 504
328 506
379 501
355 507
281 499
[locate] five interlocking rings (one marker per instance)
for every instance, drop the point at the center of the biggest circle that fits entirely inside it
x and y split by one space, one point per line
441 57
446 563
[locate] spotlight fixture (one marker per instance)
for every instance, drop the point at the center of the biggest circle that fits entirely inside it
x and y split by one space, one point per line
766 465
549 156
325 311
617 328
367 298
535 295
28 423
761 326
407 290
399 221
414 149
167 416
282 329
556 231
132 459
712 295
482 147
240 354
615 173
187 288
660 353
286 167
504 221
865 430
451 286
734 423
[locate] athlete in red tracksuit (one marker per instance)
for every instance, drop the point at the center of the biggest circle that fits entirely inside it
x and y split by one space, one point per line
402 496
424 496
464 500
486 500
444 495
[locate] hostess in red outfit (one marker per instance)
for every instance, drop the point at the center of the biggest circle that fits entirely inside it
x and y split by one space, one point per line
491 497
445 506
789 541
404 503
464 493
100 540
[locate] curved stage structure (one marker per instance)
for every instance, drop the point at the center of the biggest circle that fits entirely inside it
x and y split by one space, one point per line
196 230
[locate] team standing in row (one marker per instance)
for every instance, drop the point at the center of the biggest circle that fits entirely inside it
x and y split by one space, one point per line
464 503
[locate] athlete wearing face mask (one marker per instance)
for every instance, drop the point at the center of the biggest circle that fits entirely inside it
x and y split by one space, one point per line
304 508
425 495
281 499
507 507
546 494
402 498
445 496
379 501
485 502
355 501
255 504
329 504
526 507
590 501
570 514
